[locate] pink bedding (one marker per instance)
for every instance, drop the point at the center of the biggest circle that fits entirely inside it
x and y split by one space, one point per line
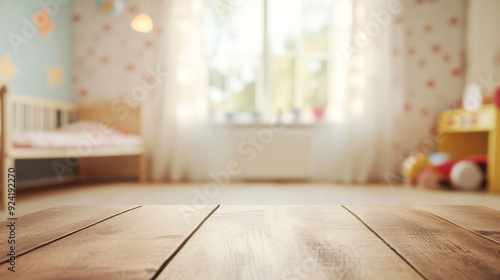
75 135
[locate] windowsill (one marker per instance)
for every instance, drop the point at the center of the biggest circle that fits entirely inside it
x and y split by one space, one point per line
251 120
267 124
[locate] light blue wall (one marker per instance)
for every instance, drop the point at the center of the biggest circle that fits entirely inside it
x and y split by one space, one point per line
39 53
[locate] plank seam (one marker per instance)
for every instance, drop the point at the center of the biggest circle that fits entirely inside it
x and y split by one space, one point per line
442 218
386 243
69 233
181 245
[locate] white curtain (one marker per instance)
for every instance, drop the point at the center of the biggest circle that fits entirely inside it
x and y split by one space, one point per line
483 42
176 109
367 85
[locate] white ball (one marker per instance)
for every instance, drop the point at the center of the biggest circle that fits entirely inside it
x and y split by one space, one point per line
466 175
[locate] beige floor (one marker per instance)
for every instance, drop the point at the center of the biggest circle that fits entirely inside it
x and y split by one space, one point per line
256 193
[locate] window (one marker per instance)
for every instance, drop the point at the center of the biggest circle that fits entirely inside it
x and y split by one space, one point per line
268 57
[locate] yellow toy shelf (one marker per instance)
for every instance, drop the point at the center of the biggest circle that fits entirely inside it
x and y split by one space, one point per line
464 133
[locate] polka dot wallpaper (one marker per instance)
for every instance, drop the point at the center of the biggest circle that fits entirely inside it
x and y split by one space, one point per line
434 57
110 57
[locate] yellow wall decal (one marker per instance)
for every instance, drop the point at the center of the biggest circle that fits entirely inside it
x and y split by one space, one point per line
54 76
7 69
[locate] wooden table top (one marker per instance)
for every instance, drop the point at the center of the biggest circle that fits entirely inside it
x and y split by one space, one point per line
254 242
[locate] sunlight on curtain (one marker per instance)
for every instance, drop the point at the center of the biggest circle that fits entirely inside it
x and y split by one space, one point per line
483 41
354 146
178 107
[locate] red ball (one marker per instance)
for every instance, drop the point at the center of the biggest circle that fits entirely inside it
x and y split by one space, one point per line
444 168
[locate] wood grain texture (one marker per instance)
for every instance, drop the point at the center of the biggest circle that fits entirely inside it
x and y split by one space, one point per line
127 120
132 245
45 226
478 219
435 247
285 242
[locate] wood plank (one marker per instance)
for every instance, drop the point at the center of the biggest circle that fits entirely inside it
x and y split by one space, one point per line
42 227
285 242
435 247
132 245
481 220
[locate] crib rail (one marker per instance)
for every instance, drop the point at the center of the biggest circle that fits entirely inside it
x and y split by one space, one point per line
23 113
35 114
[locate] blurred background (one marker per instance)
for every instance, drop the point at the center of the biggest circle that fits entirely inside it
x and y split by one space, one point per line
251 101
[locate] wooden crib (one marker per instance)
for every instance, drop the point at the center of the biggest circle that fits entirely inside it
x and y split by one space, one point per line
22 113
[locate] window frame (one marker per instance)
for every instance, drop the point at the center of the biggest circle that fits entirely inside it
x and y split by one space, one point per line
263 95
